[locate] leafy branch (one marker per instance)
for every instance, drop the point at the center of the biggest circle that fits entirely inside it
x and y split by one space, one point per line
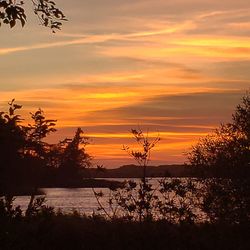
49 15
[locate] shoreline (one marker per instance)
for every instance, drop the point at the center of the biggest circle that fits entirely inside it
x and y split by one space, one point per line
86 183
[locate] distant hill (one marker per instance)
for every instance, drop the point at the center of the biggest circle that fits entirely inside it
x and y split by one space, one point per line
134 171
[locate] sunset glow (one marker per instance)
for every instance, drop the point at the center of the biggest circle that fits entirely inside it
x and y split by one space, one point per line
176 72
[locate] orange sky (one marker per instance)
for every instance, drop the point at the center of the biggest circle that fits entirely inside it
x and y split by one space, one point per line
177 68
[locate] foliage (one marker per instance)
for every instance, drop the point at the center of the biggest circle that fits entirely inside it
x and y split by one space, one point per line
22 148
142 156
224 156
7 210
226 152
28 161
36 207
73 158
145 191
119 200
74 151
46 230
226 200
39 227
10 131
12 11
12 146
172 200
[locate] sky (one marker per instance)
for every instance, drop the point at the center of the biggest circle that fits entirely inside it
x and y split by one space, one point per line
176 69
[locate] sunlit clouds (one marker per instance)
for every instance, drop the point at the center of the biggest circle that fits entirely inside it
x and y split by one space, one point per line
172 69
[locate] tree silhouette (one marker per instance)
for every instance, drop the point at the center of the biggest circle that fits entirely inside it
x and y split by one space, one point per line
38 131
226 152
12 138
224 156
22 149
171 199
73 159
28 161
13 11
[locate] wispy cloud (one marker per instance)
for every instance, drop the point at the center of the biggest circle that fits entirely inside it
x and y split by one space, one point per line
171 28
85 40
177 67
91 39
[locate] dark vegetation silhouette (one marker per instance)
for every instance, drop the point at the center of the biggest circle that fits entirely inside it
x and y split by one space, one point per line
28 162
210 211
172 200
132 171
222 159
41 228
225 153
13 11
73 159
22 149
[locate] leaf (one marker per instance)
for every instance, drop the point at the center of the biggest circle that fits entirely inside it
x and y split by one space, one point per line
3 4
16 106
46 22
12 23
22 22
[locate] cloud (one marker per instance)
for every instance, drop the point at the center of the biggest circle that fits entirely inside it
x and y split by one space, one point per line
185 110
169 28
92 39
178 67
85 40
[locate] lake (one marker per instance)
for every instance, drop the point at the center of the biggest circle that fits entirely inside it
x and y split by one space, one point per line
68 200
81 200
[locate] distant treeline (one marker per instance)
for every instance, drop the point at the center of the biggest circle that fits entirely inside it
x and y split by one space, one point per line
134 171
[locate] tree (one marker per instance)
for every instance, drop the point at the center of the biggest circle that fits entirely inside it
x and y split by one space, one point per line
22 149
143 203
13 11
29 162
224 156
171 199
36 132
226 152
134 201
143 154
37 151
73 159
12 143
